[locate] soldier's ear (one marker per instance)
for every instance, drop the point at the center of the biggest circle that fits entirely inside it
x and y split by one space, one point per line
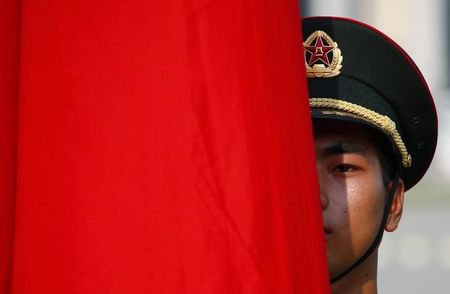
396 210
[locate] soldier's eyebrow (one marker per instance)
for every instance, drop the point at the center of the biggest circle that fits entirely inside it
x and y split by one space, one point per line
343 148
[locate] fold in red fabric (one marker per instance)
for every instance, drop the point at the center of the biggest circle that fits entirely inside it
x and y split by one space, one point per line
9 83
157 147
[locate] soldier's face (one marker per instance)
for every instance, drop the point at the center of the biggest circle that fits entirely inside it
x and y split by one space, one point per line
352 191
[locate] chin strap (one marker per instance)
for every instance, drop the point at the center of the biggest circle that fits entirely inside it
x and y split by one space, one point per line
379 236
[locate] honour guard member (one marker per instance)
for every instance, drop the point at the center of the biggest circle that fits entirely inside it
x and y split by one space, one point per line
375 133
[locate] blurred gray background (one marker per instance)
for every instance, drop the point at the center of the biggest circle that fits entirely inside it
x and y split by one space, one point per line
416 257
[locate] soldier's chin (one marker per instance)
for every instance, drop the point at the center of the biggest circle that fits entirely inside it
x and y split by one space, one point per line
335 267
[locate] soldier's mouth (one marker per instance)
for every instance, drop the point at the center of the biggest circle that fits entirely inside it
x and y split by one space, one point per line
327 230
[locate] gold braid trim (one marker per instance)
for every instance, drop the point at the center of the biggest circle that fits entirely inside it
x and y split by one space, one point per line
382 121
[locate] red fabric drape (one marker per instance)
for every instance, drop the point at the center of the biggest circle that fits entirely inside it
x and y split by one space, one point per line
9 81
162 147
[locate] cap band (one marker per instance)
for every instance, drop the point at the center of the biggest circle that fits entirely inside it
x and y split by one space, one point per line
382 121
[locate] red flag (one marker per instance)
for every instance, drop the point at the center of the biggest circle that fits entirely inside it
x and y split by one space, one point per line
165 147
9 75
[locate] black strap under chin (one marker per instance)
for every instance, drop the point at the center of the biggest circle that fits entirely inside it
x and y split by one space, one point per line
379 236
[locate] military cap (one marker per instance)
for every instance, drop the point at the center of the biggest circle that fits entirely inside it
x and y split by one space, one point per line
358 74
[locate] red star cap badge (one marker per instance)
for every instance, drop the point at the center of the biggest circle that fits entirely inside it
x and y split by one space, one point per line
319 52
323 58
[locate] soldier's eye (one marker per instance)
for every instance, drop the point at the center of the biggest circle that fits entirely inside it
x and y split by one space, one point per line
344 168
